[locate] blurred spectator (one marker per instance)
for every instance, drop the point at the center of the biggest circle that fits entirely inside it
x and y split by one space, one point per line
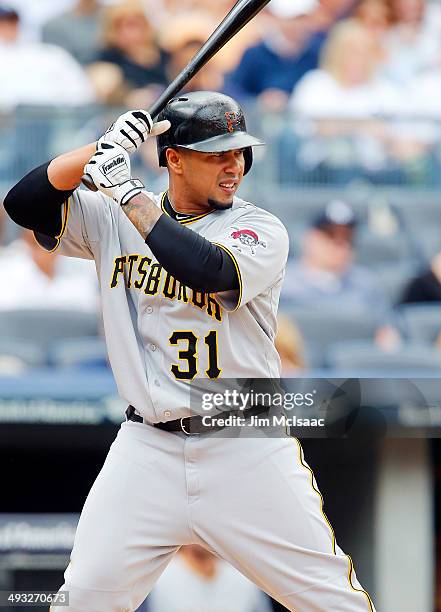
414 49
182 38
349 88
325 275
37 279
77 30
212 14
347 84
202 22
35 14
229 57
130 45
376 17
414 41
423 94
290 346
331 11
36 73
217 9
272 68
196 581
426 287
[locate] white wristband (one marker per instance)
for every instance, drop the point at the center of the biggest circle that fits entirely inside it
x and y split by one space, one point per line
126 191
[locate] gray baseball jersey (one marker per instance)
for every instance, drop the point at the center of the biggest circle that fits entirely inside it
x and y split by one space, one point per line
160 334
253 501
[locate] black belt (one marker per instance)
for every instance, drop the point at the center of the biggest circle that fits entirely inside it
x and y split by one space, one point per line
195 425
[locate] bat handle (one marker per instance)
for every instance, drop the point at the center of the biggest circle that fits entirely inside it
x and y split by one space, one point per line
88 182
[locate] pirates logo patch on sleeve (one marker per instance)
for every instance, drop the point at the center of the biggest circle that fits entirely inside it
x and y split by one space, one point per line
248 238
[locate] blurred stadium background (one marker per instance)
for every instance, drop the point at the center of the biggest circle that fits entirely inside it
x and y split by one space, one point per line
347 95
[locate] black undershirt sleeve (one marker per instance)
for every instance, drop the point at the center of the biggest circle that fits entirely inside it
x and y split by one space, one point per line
191 259
34 203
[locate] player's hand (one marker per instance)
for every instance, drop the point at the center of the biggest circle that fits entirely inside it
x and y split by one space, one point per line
133 128
109 170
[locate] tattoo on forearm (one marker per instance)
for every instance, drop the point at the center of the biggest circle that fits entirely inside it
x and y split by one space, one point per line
143 213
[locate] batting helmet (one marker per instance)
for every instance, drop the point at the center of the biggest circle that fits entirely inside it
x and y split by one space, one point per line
208 122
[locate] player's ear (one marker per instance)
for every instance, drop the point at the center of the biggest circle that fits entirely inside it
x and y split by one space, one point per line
174 160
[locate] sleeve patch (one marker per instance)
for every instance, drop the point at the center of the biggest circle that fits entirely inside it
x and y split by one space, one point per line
247 238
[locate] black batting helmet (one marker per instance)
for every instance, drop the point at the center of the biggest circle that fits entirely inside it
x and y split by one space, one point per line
208 122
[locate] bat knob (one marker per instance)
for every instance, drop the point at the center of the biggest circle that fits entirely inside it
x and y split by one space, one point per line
88 182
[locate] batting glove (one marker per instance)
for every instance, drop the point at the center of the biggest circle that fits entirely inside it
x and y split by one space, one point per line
133 128
109 170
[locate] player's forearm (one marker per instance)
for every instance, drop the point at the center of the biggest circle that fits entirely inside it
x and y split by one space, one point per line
143 213
65 171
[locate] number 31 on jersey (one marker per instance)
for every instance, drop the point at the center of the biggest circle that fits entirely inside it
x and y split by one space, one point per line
189 355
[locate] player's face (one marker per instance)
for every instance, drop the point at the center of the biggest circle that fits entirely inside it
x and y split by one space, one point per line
213 178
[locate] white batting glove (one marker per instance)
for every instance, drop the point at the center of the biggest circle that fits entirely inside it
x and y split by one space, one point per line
109 170
133 128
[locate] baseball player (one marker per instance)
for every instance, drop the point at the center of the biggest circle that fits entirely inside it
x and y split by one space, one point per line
190 282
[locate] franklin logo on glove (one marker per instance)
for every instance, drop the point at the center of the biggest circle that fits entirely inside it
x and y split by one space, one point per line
113 174
113 163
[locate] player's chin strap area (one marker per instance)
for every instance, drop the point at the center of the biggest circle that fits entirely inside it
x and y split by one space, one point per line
195 425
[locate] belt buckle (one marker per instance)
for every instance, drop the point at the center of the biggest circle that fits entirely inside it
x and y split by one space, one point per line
187 433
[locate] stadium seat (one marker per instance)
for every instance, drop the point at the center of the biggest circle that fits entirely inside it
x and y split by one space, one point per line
417 209
375 250
27 353
393 279
79 352
421 322
322 327
43 327
428 242
365 356
300 206
295 232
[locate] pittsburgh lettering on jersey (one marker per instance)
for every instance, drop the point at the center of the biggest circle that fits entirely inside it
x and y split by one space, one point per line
139 272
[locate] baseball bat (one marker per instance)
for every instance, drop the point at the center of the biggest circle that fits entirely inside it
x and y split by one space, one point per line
241 13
